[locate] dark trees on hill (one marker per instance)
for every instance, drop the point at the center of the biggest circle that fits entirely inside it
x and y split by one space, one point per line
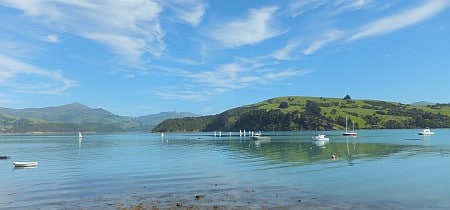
283 105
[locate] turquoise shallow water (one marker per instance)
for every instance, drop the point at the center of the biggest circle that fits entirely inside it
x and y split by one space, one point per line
391 169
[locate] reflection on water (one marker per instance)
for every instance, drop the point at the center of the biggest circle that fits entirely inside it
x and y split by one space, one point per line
24 167
162 170
320 144
260 141
295 149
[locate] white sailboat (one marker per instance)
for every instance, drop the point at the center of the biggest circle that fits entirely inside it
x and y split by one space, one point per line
347 132
79 135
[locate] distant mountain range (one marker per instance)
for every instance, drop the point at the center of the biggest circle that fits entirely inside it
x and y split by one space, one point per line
77 117
281 113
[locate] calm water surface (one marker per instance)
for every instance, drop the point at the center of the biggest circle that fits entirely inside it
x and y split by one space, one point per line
389 169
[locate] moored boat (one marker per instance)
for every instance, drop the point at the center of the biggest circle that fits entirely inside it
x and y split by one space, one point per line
258 136
25 164
426 131
347 132
320 137
4 157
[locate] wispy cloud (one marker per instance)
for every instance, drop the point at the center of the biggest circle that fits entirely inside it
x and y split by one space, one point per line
286 53
350 5
282 75
401 20
254 28
381 26
230 76
297 8
129 28
52 38
187 11
227 77
187 93
329 36
21 77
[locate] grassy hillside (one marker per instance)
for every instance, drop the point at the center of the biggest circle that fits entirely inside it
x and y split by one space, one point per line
310 113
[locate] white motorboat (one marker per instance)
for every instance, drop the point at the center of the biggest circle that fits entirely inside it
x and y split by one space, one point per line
320 137
426 131
347 132
25 164
258 136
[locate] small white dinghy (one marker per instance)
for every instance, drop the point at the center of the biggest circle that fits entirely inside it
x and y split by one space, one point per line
25 164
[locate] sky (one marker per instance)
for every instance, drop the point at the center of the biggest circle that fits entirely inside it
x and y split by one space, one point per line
141 57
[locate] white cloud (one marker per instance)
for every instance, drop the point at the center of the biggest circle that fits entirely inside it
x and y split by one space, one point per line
320 43
401 20
230 76
21 77
194 16
282 75
299 7
52 38
254 28
286 52
237 75
129 28
240 75
350 5
186 93
375 28
187 11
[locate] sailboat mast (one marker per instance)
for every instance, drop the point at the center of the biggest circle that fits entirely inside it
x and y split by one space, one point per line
346 119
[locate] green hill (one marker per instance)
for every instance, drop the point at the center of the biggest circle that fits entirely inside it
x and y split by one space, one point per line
311 113
76 117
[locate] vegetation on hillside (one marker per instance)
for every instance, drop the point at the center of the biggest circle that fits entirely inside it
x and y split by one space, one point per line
313 113
277 114
76 117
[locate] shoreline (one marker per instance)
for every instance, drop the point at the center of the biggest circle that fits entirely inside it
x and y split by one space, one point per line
263 198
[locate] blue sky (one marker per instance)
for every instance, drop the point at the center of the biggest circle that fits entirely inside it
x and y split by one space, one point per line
143 57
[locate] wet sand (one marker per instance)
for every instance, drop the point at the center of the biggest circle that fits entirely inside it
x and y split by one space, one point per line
251 199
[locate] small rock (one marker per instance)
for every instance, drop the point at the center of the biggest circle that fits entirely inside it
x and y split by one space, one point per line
198 197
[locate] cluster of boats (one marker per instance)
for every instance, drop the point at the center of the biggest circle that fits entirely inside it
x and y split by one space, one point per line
322 137
258 136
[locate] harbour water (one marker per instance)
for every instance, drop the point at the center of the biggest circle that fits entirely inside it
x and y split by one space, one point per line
378 169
